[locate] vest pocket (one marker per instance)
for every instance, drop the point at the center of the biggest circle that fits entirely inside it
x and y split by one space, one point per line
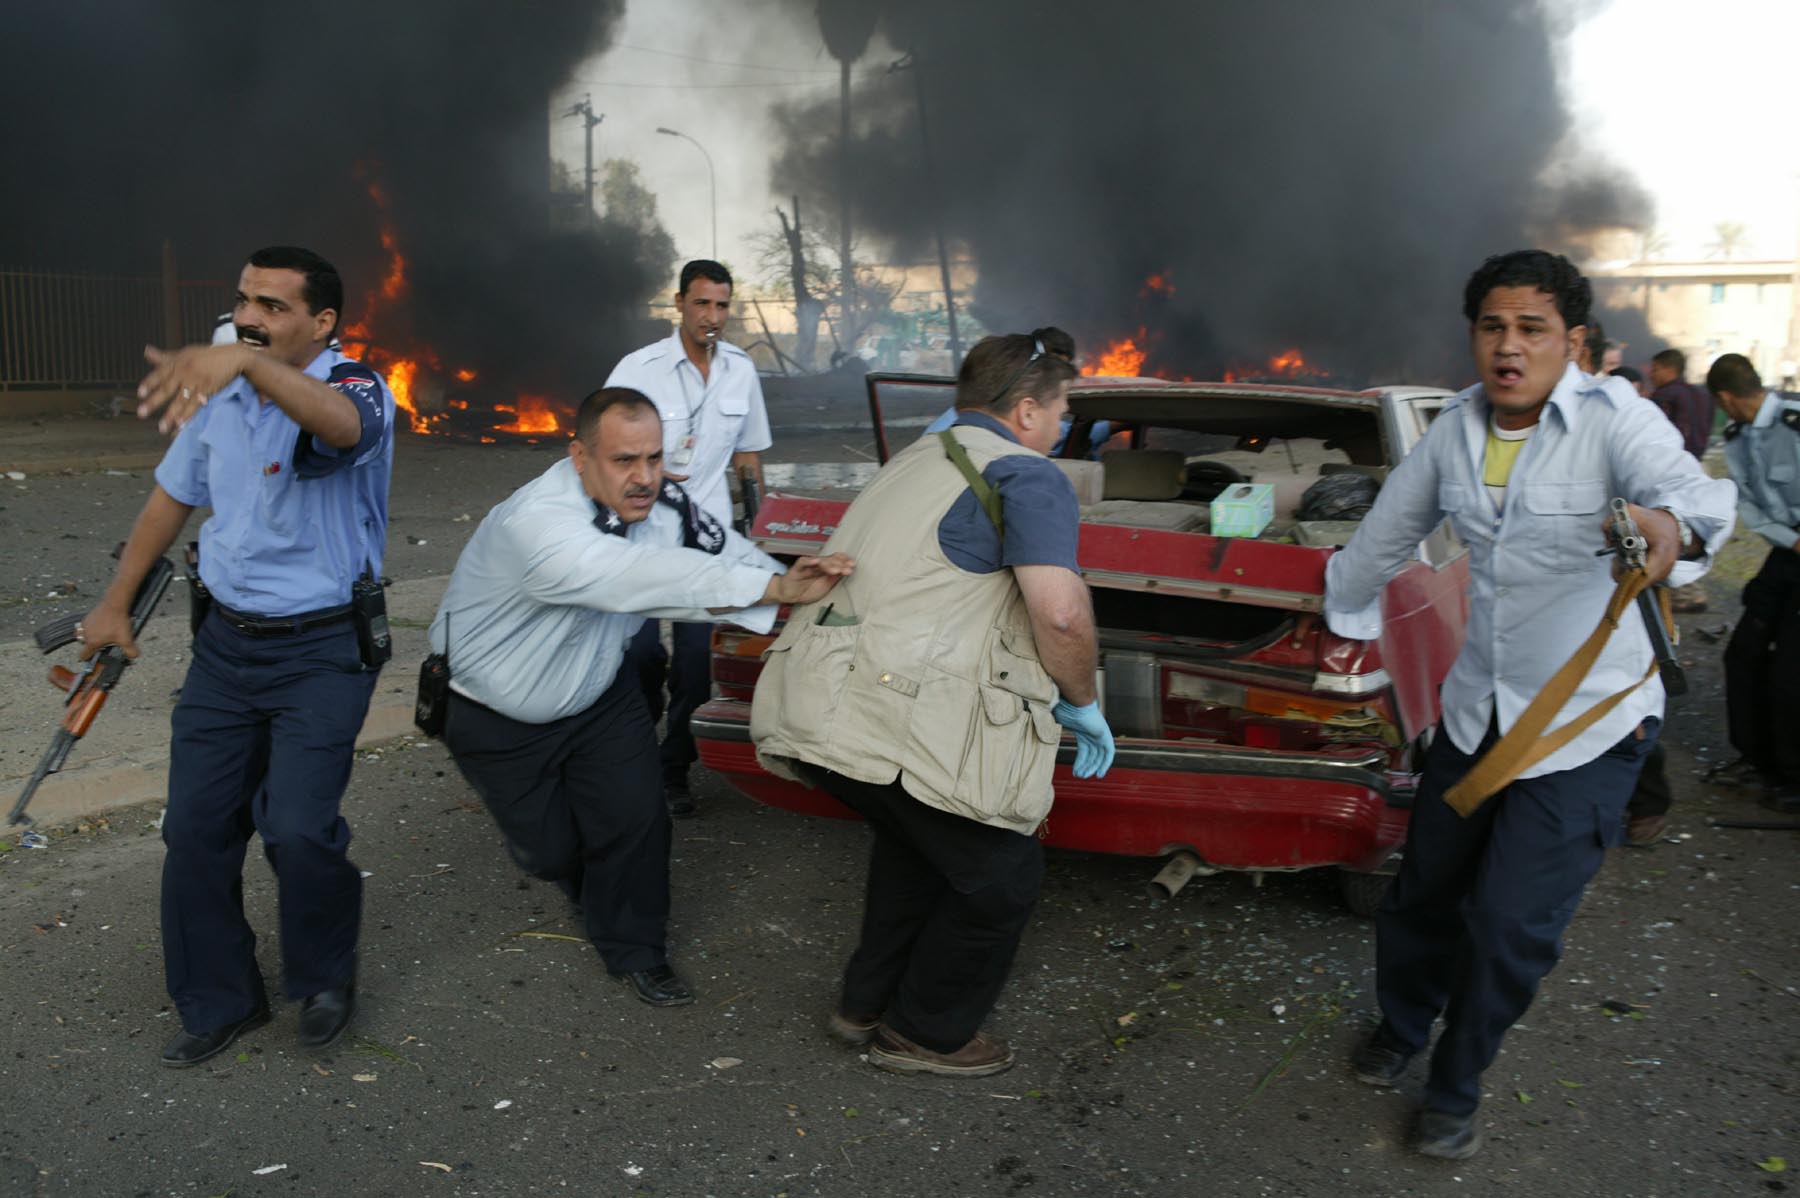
820 657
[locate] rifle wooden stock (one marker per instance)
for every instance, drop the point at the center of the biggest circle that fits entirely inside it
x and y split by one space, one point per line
89 685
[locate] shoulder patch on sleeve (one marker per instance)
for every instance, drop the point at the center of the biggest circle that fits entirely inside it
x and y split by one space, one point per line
353 378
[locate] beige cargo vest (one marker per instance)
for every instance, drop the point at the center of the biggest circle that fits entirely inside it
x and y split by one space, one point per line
914 667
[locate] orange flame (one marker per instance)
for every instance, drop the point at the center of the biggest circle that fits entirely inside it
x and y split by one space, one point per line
1124 357
1121 359
393 280
533 414
1288 364
465 376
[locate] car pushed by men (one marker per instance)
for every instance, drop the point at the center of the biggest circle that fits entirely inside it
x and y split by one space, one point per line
1249 737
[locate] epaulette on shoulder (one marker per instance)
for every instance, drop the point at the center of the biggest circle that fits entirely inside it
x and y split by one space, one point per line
1790 414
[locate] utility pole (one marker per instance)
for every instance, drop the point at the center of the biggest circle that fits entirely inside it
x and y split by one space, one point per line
911 62
849 268
585 110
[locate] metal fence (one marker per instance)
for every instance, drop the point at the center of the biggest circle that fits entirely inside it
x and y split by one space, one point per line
73 331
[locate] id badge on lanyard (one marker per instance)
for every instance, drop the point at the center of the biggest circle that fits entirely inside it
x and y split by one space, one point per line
683 453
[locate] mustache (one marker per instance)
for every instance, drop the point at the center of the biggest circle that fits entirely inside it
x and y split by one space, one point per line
253 336
639 492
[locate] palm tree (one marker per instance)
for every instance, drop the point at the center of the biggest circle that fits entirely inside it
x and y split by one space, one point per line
1729 236
1653 244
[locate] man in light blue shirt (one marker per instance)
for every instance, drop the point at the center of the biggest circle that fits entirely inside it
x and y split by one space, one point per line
291 445
1523 464
544 724
1762 660
714 424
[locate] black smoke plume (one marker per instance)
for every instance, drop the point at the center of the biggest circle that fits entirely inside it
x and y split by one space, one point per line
226 127
1313 175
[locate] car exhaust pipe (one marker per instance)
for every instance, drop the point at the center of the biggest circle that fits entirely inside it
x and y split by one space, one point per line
1177 872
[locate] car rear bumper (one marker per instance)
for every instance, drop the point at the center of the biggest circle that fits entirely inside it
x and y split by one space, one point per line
1237 808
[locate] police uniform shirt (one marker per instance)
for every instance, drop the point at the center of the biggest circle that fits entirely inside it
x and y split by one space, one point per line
544 599
1763 455
295 520
1536 588
723 413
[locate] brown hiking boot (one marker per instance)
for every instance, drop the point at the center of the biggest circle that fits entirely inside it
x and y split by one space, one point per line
1645 830
980 1057
852 1029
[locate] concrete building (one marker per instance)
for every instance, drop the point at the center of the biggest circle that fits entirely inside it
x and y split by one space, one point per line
1710 308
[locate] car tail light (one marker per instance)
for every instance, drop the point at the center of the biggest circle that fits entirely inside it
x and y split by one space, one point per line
1161 699
737 660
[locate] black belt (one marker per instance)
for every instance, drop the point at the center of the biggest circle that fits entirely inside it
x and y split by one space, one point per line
293 625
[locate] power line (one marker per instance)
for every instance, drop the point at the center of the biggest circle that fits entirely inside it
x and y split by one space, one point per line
748 66
714 86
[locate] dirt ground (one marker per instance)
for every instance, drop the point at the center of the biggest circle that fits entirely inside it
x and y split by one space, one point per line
1196 1047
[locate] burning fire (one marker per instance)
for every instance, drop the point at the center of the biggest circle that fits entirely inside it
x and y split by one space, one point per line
1123 357
1288 364
533 414
415 375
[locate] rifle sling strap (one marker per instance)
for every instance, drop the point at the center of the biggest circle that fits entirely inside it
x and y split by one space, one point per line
984 494
1524 744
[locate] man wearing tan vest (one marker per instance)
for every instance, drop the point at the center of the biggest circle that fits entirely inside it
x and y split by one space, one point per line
930 693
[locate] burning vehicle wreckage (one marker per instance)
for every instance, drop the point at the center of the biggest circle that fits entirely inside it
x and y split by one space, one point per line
1249 736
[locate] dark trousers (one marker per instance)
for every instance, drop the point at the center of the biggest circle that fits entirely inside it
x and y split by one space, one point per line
1762 669
1475 918
1652 796
946 906
264 734
579 803
689 678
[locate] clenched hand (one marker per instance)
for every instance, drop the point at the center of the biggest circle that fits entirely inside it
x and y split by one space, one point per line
809 579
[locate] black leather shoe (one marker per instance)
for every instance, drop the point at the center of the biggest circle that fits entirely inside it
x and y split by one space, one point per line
659 987
1448 1137
190 1048
325 1015
1783 799
1378 1062
680 800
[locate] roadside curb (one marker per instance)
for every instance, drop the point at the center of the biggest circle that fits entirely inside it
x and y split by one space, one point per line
129 764
81 463
78 792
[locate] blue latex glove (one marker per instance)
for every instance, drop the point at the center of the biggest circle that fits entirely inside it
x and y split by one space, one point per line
1093 739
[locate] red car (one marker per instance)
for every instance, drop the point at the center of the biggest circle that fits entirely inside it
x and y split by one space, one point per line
1249 736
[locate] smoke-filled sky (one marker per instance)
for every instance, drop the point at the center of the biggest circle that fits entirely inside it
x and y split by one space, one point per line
1307 173
225 127
1311 175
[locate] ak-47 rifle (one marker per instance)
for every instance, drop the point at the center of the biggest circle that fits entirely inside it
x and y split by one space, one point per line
1631 547
90 683
752 497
